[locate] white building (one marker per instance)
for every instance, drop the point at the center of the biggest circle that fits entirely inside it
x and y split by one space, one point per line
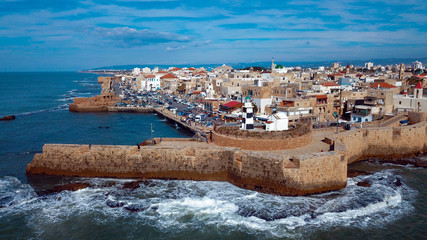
369 65
417 65
146 70
277 122
405 103
150 83
262 103
136 71
363 113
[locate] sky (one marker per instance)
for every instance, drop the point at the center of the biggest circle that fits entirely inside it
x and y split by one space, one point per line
44 35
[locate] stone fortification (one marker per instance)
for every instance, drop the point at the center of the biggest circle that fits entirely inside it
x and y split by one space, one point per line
262 140
381 142
283 172
99 103
271 173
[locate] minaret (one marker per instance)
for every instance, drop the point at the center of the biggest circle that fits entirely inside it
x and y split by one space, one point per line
418 91
248 114
402 71
273 66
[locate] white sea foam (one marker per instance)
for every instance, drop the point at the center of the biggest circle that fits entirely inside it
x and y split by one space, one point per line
185 205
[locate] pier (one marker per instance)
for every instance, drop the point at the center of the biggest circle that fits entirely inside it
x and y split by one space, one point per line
131 109
193 126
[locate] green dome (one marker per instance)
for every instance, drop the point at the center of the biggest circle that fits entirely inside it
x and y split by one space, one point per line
279 66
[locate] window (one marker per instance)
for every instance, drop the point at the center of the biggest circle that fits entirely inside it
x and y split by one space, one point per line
400 102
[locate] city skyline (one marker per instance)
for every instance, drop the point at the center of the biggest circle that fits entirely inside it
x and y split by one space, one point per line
49 35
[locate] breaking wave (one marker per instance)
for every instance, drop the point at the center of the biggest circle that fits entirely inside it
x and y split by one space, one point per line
186 206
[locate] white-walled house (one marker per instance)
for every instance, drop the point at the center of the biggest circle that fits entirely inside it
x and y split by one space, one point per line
150 83
277 122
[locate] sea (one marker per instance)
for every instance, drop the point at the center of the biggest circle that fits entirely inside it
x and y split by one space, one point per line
393 207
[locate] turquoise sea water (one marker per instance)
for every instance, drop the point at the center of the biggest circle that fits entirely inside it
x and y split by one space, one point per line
172 209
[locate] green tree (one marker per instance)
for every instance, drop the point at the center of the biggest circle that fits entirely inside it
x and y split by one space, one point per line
255 107
182 88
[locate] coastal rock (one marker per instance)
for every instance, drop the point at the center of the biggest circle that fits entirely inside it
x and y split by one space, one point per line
351 173
363 184
135 208
131 185
67 187
398 182
114 204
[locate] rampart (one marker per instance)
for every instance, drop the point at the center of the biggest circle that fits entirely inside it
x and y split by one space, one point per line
270 173
253 140
381 142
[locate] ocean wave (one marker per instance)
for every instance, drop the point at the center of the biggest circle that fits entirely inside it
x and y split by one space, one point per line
174 206
61 107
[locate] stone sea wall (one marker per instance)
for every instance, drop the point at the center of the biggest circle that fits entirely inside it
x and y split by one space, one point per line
381 142
268 173
276 172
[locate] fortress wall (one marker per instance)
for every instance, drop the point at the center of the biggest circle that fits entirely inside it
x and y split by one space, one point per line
382 142
417 117
81 100
261 143
266 173
261 171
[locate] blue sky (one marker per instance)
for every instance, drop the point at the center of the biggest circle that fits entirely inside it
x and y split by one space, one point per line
74 35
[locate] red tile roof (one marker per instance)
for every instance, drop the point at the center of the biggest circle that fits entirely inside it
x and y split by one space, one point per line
176 69
382 85
233 104
321 96
150 76
169 75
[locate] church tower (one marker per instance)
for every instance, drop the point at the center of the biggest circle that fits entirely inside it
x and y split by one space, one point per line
248 114
418 91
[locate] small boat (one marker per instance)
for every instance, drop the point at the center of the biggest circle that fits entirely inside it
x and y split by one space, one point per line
8 118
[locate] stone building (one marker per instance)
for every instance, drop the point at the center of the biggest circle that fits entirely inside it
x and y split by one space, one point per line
406 103
260 95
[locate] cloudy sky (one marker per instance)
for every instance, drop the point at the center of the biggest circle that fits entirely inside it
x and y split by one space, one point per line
74 35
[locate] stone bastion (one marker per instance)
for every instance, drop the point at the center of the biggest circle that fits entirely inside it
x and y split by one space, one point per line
233 136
